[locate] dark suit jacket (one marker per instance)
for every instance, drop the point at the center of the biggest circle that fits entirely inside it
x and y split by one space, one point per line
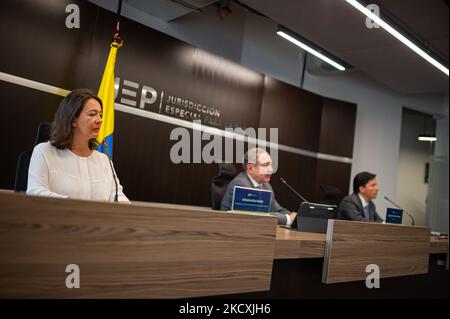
351 209
243 180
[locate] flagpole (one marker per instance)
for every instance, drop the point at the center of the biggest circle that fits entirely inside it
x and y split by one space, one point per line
119 8
119 12
106 91
116 34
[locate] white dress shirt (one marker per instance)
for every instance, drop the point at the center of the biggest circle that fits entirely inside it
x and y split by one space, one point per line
364 204
61 173
363 201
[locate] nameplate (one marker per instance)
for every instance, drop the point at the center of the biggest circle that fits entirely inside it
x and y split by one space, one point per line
394 216
251 199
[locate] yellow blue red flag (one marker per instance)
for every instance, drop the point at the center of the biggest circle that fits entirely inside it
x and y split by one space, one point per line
106 94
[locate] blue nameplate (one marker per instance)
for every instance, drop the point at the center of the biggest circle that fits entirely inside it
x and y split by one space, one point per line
394 216
251 199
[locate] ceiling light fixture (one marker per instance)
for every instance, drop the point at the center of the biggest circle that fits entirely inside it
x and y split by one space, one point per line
398 35
296 39
426 138
427 135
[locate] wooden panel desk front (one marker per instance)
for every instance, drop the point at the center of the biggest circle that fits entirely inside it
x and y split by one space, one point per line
396 250
130 251
144 250
292 244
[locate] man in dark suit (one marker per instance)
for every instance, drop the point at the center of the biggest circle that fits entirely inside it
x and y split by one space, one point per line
359 205
257 166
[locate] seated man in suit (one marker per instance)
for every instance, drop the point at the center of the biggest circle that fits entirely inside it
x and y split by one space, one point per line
257 171
359 206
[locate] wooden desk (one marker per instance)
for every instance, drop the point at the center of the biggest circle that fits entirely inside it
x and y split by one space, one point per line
439 245
291 244
146 250
396 250
130 251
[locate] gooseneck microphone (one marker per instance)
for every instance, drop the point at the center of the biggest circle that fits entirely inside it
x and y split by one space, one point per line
105 144
293 190
410 216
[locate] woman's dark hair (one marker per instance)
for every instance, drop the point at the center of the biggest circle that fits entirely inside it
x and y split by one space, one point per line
61 135
362 179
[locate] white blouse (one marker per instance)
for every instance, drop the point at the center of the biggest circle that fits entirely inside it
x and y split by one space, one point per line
61 173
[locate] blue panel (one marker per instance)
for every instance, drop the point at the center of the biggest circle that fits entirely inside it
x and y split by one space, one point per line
394 216
252 199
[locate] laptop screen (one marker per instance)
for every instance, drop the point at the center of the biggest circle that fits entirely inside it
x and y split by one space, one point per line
251 199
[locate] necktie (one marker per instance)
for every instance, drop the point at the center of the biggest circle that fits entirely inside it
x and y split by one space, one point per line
366 212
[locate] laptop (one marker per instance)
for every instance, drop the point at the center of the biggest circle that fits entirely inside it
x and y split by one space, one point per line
313 217
251 200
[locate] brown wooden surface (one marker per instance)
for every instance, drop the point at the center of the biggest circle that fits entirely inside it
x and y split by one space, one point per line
292 244
439 245
130 251
398 250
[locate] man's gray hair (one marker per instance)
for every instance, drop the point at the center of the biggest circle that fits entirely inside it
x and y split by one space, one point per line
251 156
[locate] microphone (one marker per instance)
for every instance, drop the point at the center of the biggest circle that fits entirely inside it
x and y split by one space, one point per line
293 190
105 144
410 216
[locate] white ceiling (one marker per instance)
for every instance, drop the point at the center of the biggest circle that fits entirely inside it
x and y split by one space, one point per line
168 10
340 29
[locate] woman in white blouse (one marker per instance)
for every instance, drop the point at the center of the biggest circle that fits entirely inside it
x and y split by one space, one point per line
68 165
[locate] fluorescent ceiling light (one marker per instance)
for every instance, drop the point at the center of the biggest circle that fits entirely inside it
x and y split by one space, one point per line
427 138
398 35
307 48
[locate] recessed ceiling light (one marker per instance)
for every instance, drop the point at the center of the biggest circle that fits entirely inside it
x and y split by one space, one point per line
282 32
398 35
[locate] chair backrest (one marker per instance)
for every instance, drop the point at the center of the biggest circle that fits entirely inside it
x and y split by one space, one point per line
43 133
23 162
219 183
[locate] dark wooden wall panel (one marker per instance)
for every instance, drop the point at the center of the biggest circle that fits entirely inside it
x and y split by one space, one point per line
332 174
22 109
337 127
142 157
296 113
239 94
38 46
299 172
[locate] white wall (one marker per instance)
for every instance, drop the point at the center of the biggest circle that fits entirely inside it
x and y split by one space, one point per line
250 40
438 191
411 187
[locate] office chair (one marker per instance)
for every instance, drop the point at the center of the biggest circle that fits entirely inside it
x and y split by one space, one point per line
23 162
219 184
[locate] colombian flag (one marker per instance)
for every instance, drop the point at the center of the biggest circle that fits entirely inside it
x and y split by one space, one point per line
106 94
